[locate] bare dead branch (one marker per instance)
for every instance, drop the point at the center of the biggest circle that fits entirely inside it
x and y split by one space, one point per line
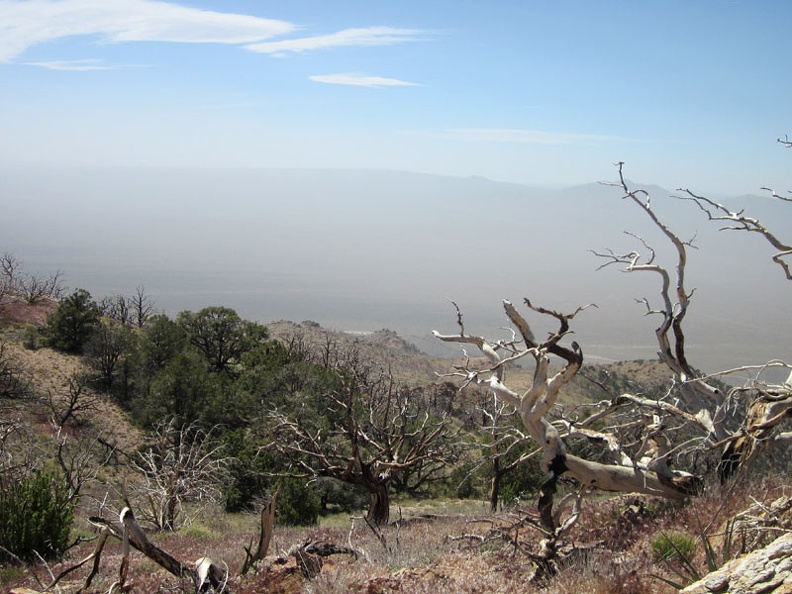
675 298
377 433
741 222
179 465
535 404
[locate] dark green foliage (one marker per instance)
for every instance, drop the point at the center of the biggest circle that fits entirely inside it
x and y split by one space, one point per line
182 390
163 340
522 482
34 338
463 481
221 336
35 515
70 327
339 496
673 545
270 356
248 471
106 349
298 504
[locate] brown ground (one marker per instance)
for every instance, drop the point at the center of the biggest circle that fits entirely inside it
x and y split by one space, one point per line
20 312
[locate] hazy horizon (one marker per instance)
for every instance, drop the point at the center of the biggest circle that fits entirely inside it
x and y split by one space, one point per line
362 163
365 250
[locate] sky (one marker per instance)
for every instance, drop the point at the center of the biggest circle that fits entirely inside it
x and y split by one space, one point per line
689 93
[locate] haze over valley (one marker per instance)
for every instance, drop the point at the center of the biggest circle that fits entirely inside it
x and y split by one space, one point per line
260 157
364 250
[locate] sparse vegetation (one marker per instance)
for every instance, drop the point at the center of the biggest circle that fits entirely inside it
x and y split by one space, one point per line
189 424
673 546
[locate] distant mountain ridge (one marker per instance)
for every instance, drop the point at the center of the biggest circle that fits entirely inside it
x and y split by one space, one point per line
363 250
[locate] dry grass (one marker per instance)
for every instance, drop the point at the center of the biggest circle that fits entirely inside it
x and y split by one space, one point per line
611 550
52 372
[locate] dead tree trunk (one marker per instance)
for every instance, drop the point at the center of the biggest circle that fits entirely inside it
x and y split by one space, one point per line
379 498
649 476
265 535
495 483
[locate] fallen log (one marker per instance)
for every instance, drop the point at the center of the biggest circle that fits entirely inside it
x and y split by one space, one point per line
205 574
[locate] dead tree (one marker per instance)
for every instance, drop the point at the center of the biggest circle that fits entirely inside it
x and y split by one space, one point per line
30 288
695 402
205 576
267 526
647 473
142 307
744 418
74 404
178 465
8 271
33 288
504 449
132 310
117 308
14 383
370 428
505 440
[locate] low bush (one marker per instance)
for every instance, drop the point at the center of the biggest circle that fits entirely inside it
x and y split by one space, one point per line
35 516
298 504
669 546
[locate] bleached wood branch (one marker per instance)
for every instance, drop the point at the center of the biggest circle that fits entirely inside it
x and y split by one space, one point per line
741 222
675 297
536 403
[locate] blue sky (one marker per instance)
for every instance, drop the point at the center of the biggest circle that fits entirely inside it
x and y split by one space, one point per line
688 93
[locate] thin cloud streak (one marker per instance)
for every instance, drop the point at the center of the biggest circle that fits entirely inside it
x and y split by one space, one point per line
74 65
360 80
26 24
368 36
518 135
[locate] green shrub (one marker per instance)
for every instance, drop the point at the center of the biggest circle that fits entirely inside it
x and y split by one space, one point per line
35 515
33 338
676 551
71 325
670 546
198 531
297 504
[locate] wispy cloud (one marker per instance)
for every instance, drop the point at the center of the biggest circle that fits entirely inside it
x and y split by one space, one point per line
24 24
81 65
368 36
518 135
360 80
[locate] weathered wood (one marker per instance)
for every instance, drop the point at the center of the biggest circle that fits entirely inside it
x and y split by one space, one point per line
129 531
138 539
267 519
625 479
